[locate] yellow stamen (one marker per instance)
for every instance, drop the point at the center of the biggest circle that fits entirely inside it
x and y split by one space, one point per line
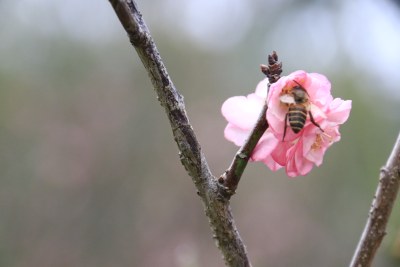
330 139
319 140
317 143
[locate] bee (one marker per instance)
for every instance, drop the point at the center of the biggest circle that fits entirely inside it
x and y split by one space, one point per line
297 99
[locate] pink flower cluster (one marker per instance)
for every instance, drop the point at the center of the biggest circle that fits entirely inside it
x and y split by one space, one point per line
298 153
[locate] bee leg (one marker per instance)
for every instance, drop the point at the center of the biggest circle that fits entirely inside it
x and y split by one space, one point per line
284 129
313 121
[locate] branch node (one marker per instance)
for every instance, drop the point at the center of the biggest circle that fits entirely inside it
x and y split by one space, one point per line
221 179
384 171
243 155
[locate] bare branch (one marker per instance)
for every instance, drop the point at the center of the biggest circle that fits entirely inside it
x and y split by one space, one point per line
381 208
215 199
230 179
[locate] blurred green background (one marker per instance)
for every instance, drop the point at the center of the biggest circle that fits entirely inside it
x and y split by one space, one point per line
90 174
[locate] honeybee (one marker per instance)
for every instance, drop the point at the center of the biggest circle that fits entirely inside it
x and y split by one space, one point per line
297 99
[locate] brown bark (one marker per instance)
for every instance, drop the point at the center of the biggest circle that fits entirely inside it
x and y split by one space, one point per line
381 208
213 195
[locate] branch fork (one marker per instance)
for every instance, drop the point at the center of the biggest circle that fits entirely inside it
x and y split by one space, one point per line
215 193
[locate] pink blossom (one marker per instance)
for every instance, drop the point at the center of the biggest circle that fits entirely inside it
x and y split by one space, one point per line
298 153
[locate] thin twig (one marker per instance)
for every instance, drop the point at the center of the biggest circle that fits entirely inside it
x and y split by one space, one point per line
230 179
213 195
381 208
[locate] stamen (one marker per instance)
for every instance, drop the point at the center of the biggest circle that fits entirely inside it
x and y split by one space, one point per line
320 139
317 143
330 139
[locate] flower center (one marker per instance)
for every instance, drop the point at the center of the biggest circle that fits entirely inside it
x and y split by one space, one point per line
317 143
319 140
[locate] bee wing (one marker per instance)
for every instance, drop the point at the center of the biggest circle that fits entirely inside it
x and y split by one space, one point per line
287 99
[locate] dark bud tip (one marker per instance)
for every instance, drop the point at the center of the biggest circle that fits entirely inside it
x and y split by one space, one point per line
264 69
274 69
273 58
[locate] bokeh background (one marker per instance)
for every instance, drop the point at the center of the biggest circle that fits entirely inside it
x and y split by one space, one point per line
89 171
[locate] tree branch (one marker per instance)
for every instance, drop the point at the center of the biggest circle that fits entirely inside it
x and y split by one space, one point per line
381 208
231 177
213 195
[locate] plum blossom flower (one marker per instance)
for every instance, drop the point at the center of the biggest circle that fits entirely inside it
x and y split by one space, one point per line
280 146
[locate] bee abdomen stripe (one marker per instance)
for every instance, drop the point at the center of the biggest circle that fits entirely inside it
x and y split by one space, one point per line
297 117
296 127
296 124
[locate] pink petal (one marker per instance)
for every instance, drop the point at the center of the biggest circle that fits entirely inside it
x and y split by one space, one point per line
262 88
299 76
309 136
319 89
276 89
271 164
235 134
276 113
291 168
318 83
280 152
242 111
339 110
265 146
316 154
276 124
303 166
